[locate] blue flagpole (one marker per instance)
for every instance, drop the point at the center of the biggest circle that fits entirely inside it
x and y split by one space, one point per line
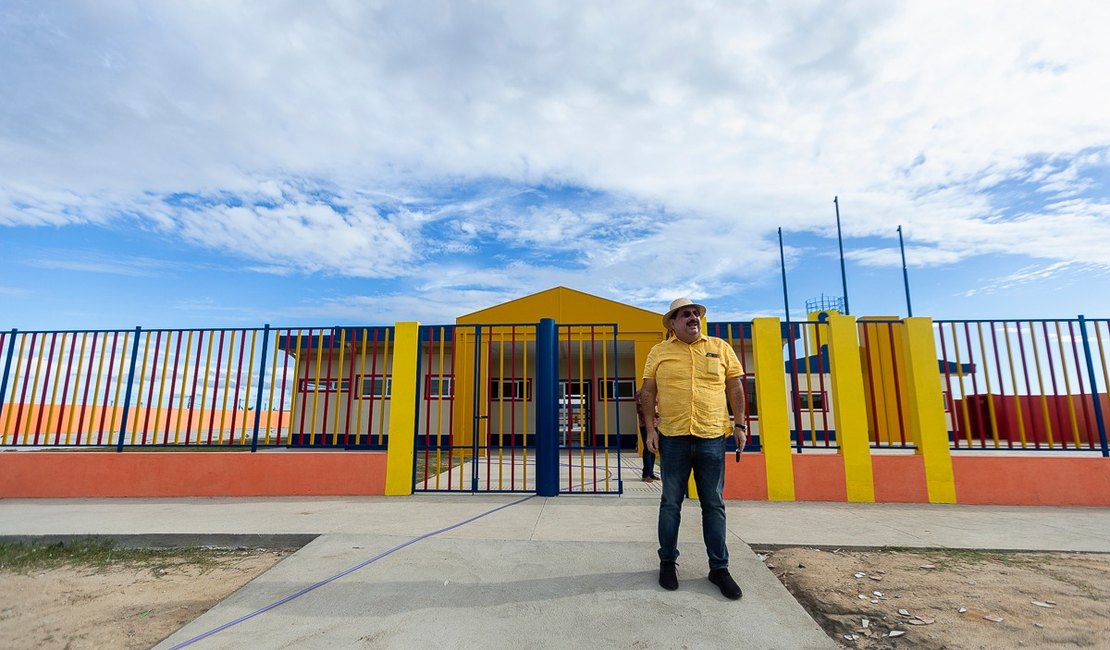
905 271
840 241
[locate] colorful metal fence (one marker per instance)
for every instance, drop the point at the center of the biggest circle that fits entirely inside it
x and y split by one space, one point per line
885 377
1004 384
1026 384
342 381
194 387
477 429
116 388
739 336
808 392
593 393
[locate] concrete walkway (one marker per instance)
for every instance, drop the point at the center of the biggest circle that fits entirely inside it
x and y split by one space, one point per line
527 572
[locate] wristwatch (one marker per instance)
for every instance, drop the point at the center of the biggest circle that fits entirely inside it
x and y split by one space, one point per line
742 427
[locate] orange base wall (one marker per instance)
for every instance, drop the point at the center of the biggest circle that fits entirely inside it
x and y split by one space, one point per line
819 477
27 474
899 479
746 479
1005 480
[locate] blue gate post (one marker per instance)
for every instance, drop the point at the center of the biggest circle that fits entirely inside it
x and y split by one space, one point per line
261 379
1094 385
127 394
547 408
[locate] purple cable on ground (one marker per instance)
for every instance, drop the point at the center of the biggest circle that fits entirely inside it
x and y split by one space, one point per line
341 574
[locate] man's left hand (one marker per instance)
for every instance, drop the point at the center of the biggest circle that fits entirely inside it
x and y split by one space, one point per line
741 437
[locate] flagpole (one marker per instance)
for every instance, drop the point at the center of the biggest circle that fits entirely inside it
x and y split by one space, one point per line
905 271
785 295
790 347
840 241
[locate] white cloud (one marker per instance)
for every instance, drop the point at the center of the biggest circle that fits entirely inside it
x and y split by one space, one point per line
702 127
1057 272
84 263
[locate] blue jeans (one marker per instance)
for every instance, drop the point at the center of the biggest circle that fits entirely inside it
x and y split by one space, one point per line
705 457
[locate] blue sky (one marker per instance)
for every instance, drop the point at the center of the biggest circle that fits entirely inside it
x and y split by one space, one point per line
233 164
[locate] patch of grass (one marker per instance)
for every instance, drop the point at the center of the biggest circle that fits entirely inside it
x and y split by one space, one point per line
964 556
97 554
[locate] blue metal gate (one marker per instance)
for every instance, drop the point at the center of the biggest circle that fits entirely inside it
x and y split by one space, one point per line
533 408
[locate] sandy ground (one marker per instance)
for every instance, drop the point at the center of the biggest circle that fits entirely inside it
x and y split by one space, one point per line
136 607
121 606
952 599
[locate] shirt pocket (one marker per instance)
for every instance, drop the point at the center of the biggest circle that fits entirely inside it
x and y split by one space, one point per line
711 367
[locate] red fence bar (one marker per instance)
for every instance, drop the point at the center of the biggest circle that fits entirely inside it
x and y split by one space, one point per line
427 384
327 383
88 383
65 389
352 381
238 383
173 389
1082 390
284 374
1034 431
45 382
373 383
488 446
871 373
150 389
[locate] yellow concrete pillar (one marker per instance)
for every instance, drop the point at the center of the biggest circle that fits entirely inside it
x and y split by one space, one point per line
402 410
850 408
773 407
926 408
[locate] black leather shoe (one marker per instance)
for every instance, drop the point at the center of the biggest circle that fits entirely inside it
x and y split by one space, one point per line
668 575
723 580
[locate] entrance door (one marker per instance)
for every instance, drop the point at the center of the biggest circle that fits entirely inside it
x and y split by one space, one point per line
575 413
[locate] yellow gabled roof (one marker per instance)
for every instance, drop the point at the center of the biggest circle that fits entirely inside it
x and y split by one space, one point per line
566 306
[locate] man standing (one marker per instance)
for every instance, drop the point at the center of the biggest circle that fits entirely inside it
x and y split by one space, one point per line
688 376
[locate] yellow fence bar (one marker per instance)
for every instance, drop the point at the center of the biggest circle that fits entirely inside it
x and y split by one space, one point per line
247 399
1013 382
54 393
605 406
184 383
338 383
524 436
987 378
293 410
76 387
385 384
162 386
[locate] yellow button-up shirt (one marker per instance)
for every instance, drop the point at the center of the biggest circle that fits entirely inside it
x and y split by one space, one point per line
690 385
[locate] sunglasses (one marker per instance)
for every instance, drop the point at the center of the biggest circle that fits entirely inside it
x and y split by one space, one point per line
686 313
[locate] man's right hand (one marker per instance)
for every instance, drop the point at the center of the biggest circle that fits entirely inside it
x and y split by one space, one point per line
652 441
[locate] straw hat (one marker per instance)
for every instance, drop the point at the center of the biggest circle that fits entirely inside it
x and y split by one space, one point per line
677 304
